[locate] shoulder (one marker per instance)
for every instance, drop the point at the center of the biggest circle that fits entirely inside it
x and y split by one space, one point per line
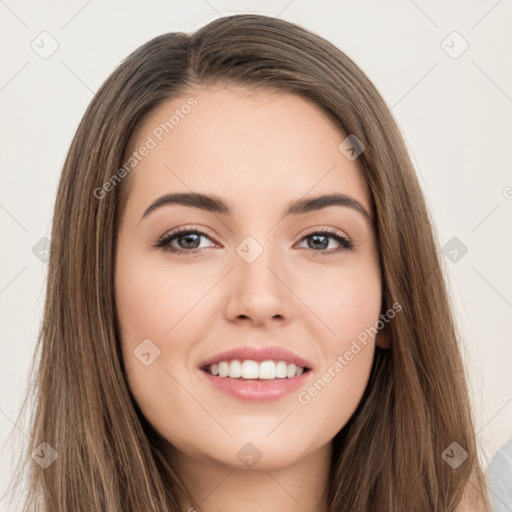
474 500
498 478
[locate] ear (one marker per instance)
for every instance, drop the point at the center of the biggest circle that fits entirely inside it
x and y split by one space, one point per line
383 338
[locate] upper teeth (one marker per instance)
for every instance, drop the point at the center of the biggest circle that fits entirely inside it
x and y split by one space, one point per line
250 369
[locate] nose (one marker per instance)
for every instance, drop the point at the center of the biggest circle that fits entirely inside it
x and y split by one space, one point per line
258 292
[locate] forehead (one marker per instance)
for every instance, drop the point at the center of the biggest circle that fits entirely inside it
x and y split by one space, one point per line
250 146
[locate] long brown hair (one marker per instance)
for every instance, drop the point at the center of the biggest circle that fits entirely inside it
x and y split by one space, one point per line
389 455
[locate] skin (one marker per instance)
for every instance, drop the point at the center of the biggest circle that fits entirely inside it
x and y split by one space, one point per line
258 151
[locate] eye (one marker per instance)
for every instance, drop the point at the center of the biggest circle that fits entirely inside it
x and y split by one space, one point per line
320 240
188 241
190 237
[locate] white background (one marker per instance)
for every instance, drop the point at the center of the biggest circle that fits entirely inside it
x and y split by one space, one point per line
455 115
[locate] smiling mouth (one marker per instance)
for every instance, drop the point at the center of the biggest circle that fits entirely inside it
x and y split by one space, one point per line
257 371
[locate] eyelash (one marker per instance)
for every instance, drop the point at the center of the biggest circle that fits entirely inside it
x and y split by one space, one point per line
164 242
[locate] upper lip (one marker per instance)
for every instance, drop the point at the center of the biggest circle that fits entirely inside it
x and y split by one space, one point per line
258 354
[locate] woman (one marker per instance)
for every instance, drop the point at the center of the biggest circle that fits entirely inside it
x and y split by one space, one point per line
301 352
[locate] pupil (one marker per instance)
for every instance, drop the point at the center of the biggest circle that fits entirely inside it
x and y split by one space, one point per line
188 236
324 245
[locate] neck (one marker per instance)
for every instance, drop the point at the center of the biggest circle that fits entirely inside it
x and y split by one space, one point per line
218 487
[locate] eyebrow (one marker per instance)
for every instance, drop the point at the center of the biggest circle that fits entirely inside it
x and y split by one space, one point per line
218 205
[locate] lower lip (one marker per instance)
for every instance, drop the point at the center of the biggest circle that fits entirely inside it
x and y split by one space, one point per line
257 390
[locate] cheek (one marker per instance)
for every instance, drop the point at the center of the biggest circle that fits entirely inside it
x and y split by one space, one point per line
341 380
350 305
148 306
337 390
347 299
160 303
151 299
155 304
355 309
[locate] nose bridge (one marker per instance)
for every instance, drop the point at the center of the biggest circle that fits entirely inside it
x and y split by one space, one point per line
258 263
257 289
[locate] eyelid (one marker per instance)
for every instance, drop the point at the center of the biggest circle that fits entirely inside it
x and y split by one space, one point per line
315 229
305 232
186 229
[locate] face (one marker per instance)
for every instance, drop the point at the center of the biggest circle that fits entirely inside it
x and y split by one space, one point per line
247 276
